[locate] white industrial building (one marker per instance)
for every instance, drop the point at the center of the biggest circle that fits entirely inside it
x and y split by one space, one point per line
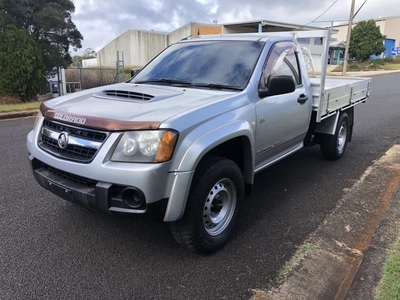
138 47
135 47
89 63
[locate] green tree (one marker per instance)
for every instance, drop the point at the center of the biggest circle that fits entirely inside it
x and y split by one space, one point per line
50 23
77 59
366 40
1 15
89 53
21 66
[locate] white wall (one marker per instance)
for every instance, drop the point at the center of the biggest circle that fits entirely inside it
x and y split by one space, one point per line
107 57
180 33
392 30
90 62
137 48
144 46
316 54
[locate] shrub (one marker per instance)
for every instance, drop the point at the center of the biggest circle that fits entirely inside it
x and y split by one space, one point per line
389 60
378 62
373 67
353 67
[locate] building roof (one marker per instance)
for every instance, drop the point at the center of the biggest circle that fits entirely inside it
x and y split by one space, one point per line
151 31
376 19
337 44
253 37
271 24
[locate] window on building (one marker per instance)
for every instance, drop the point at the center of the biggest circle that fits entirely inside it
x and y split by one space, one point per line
318 41
306 41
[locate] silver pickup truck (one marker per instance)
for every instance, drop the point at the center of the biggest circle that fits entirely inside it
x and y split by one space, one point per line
185 136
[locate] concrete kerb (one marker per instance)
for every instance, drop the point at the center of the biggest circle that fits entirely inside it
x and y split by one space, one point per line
369 275
18 114
341 242
363 73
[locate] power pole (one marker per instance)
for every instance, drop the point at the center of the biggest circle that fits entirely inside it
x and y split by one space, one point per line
346 52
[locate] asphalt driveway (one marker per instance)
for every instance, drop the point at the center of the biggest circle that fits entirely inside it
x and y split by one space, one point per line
51 249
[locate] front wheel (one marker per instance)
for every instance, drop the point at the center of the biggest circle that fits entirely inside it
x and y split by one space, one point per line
334 146
213 206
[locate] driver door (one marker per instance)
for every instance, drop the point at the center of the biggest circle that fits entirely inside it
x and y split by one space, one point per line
282 119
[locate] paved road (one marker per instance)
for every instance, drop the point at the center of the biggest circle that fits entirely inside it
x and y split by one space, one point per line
52 249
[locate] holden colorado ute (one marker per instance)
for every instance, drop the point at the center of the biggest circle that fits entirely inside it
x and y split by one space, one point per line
186 135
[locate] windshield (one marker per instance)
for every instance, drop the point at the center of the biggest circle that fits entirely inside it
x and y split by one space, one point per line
210 64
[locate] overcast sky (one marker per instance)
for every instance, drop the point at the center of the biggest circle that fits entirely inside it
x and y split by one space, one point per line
100 21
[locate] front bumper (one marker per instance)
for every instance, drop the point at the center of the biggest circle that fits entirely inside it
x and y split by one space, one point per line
97 196
155 181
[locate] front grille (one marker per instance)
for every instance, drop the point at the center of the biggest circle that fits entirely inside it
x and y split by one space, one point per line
75 152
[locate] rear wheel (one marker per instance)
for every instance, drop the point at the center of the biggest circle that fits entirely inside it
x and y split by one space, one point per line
213 206
334 146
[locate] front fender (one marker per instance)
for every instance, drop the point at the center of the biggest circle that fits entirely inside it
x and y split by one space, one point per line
193 155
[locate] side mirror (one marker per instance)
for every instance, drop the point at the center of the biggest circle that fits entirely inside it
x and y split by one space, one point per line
278 85
134 72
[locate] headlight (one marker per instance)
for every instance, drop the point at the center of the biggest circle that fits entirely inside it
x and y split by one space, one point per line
38 116
145 146
149 143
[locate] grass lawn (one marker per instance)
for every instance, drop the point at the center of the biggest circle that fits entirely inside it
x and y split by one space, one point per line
392 66
4 108
389 287
371 65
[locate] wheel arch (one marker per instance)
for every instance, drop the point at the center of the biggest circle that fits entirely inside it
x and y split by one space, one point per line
218 142
328 126
221 142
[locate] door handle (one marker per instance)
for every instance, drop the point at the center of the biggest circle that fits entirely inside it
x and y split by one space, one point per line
302 99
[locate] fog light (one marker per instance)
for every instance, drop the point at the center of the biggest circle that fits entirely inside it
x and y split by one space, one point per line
132 197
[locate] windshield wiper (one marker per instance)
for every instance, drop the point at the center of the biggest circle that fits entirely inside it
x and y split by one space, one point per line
165 80
218 86
188 83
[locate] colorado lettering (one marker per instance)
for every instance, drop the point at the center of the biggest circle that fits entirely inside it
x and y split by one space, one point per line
70 119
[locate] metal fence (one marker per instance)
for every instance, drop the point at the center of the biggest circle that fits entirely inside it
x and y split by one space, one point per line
85 78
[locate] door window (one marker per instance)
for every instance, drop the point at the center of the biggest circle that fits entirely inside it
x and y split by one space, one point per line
283 60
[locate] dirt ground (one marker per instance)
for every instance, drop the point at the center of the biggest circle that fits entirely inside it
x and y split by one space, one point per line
15 100
9 100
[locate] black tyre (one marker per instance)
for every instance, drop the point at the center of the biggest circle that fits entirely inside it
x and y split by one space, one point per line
214 203
334 146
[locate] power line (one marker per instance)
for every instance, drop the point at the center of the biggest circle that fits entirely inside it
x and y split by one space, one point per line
330 21
337 20
323 12
359 9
